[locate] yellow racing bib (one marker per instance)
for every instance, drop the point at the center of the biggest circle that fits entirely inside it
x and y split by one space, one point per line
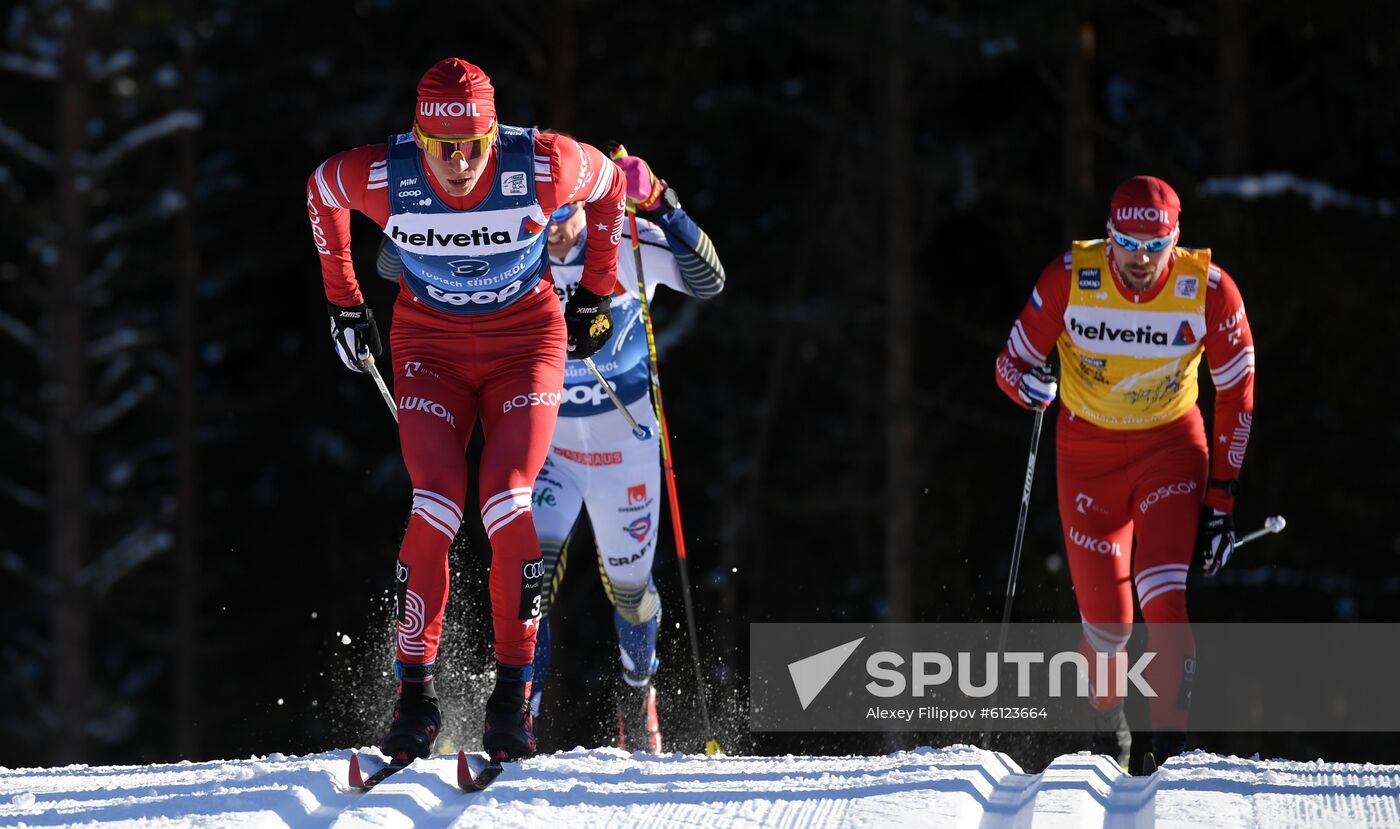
1127 365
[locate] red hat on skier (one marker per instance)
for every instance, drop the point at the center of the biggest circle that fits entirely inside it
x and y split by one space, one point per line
455 98
1144 205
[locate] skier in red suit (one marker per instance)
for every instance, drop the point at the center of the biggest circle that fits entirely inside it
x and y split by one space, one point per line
1140 488
477 332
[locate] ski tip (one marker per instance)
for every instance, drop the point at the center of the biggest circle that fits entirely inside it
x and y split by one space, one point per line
1149 764
464 772
468 782
357 777
712 748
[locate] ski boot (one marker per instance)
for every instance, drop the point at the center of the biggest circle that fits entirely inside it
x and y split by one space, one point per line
509 730
638 727
1112 737
1165 745
417 721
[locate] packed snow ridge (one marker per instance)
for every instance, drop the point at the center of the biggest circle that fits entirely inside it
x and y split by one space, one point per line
956 787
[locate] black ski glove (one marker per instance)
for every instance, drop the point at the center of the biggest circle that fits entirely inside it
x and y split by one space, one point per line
355 335
1216 539
589 320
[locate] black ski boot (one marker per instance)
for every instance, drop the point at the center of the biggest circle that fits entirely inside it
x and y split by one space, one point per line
416 724
1112 735
509 731
638 726
1165 745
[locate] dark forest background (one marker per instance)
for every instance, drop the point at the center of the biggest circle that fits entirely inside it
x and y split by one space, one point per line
200 507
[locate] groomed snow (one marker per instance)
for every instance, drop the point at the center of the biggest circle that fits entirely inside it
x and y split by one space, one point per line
958 787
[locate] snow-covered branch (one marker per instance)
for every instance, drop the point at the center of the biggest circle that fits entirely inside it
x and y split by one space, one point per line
21 147
9 187
22 423
19 332
101 418
165 205
100 68
121 470
44 70
43 248
118 341
22 495
166 125
1272 185
111 263
114 373
130 552
12 564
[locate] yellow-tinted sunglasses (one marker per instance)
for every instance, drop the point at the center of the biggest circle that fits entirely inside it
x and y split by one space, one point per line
445 148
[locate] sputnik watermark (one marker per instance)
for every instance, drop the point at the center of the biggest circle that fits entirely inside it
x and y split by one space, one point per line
956 677
930 670
887 681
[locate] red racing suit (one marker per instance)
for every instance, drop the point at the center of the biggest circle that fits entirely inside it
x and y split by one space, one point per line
1133 464
503 364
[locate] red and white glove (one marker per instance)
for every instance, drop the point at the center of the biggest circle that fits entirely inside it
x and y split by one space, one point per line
1038 388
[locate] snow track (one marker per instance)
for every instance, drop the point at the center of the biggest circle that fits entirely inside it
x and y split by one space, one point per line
957 787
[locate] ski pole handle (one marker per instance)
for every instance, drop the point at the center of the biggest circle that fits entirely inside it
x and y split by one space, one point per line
1272 524
639 431
383 389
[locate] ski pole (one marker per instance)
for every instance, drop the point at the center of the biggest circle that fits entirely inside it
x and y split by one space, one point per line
1272 524
368 363
1016 547
639 431
711 744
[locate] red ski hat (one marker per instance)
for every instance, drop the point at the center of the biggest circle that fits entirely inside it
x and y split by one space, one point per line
455 98
1144 205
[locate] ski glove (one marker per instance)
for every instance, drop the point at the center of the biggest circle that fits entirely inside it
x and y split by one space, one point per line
588 318
1038 387
355 335
1216 540
650 195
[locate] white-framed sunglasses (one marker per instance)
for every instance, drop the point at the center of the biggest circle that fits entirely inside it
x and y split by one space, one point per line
1131 245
